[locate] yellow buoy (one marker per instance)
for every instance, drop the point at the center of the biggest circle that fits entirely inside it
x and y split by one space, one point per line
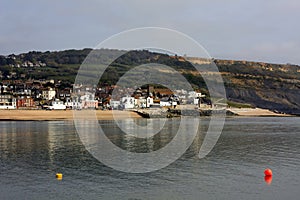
59 176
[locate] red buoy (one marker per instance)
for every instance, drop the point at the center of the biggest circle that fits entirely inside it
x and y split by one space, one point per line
268 172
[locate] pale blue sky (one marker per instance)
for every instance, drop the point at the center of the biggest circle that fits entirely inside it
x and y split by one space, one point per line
261 30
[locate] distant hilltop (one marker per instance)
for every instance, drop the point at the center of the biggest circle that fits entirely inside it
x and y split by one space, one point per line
272 86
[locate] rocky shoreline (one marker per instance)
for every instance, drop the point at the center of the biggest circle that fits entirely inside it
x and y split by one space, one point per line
170 113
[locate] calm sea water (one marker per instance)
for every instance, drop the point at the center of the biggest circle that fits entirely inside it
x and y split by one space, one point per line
31 153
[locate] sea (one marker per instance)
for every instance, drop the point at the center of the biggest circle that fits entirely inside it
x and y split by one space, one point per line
32 152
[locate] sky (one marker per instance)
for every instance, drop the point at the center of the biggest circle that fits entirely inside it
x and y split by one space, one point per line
256 30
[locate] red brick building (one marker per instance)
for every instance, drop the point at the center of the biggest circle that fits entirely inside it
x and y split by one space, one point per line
25 103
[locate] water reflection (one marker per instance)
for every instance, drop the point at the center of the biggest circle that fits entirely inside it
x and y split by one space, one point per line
26 141
125 152
44 142
31 153
142 128
268 180
129 142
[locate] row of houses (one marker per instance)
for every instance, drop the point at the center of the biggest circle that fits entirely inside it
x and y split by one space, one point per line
9 101
131 102
88 101
34 94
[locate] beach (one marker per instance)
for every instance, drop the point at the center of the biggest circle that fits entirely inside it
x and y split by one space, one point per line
259 112
40 115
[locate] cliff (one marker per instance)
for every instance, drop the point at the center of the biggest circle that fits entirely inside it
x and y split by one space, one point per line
272 86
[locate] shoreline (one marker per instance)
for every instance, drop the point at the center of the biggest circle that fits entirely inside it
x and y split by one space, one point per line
61 115
64 115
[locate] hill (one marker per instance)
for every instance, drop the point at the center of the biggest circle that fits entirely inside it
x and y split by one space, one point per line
272 86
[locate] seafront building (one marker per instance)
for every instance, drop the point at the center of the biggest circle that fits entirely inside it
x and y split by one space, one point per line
8 101
48 94
43 94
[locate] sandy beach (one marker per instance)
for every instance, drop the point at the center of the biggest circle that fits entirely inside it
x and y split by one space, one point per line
259 112
108 114
62 114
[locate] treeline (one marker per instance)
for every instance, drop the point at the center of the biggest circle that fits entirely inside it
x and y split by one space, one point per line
49 58
57 58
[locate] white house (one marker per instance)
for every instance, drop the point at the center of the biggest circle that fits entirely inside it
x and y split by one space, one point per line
174 103
165 102
57 105
128 102
8 102
74 103
195 96
48 94
149 102
197 100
